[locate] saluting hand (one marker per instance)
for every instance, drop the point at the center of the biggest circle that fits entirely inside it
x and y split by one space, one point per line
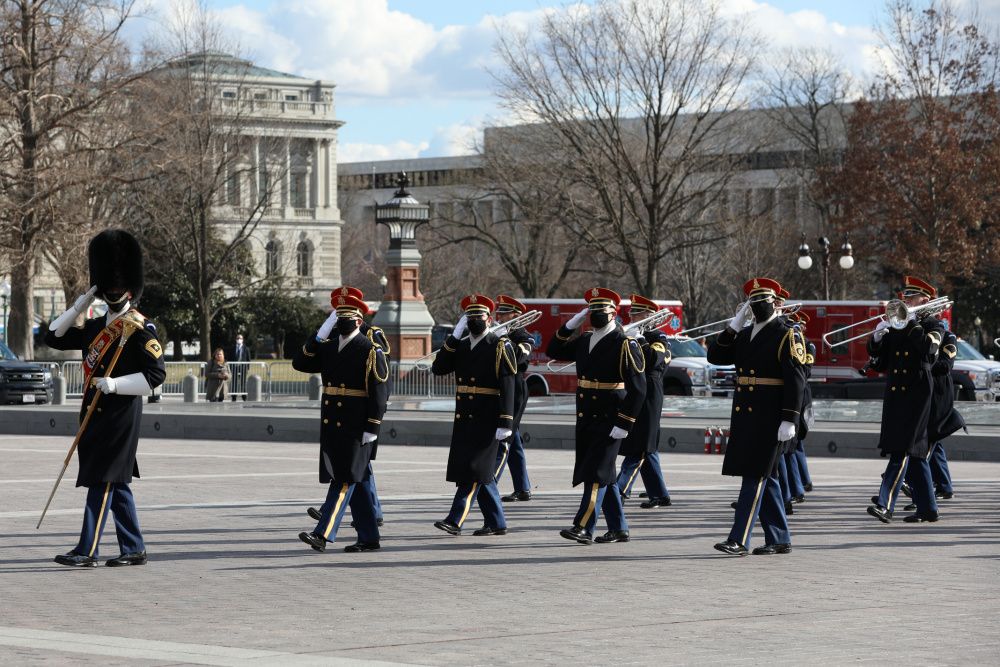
463 323
740 319
83 301
327 327
577 320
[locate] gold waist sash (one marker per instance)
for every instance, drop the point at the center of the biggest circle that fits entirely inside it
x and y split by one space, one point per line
591 384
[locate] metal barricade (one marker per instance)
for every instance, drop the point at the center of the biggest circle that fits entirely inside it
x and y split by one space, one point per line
239 371
283 380
72 371
410 381
177 371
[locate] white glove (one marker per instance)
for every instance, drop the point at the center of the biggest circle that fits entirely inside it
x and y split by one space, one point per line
62 323
503 433
134 384
106 385
740 319
463 324
501 331
618 433
327 327
577 320
786 431
880 330
368 437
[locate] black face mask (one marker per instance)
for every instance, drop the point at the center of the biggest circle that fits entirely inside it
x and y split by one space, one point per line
762 310
346 325
477 327
115 299
599 319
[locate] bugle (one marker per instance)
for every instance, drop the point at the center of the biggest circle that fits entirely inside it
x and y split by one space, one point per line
897 314
654 321
784 309
519 322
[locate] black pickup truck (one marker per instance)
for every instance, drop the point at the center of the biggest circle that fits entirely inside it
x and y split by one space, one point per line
23 381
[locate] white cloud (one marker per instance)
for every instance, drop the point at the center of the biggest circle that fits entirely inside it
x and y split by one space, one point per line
457 139
396 150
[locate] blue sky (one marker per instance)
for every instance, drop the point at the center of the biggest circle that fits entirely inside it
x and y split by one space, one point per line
412 75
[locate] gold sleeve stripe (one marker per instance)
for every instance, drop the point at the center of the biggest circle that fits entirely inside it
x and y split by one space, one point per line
374 421
450 349
626 417
307 352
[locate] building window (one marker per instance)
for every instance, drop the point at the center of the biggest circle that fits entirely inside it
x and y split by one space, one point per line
265 187
303 260
260 95
272 258
233 188
298 189
229 94
291 97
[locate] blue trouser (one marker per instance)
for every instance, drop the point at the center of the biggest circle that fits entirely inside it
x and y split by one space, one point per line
368 487
511 454
594 497
648 467
800 457
892 480
795 485
939 469
115 497
760 496
489 504
918 476
340 496
786 492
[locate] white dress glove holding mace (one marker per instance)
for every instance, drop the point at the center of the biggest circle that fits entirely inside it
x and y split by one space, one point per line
134 384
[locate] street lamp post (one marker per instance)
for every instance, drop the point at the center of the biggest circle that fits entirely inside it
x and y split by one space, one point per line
979 332
846 260
4 295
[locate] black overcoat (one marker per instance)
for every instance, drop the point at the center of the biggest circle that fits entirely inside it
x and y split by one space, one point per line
944 419
523 344
484 402
354 400
645 437
108 445
905 356
377 336
769 390
617 363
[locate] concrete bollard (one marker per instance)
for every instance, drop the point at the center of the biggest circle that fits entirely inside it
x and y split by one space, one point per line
189 386
255 386
315 386
59 390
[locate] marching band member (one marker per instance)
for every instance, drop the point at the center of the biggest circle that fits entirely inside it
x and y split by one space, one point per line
610 391
795 460
640 448
355 391
123 361
906 356
512 455
484 366
766 408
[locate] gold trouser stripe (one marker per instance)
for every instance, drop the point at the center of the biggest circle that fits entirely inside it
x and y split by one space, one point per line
336 510
591 506
503 461
468 504
341 391
902 467
466 389
100 519
631 479
753 511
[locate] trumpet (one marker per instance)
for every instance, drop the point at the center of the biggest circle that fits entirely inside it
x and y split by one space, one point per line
519 322
654 321
897 314
784 309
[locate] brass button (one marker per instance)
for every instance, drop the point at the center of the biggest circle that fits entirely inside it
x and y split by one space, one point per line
904 387
339 404
341 384
752 372
579 414
750 387
904 370
897 353
472 379
741 370
581 395
594 397
737 389
894 389
338 423
458 397
326 402
750 409
458 416
906 354
459 379
326 421
99 409
737 408
330 384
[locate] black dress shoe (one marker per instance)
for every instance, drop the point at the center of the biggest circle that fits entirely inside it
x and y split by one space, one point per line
910 507
732 548
577 534
362 546
314 514
138 558
921 518
489 530
789 509
317 542
517 496
880 513
771 549
907 491
798 499
944 495
378 522
624 495
733 504
808 487
74 559
656 502
613 536
644 495
448 527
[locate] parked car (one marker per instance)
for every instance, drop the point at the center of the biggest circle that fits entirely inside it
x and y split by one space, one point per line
977 378
23 381
690 374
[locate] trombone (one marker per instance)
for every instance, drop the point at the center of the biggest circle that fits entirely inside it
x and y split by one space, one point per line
519 322
897 314
654 321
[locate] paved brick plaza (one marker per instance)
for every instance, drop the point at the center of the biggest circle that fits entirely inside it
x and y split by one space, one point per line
229 583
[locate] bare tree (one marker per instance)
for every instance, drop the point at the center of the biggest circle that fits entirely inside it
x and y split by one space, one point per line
638 99
62 63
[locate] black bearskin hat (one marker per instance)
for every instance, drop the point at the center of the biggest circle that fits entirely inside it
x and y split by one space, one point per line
115 262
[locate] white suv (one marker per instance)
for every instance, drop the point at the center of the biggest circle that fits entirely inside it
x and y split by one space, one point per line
978 376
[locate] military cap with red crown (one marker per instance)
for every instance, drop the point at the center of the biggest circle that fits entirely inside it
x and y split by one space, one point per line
508 304
761 287
348 305
345 290
599 297
913 286
782 295
477 303
642 304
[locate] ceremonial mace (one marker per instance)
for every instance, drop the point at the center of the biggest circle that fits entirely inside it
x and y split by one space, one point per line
126 332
